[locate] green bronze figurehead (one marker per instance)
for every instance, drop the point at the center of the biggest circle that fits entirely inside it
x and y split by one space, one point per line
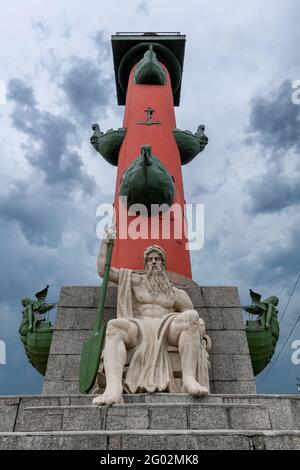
262 333
35 331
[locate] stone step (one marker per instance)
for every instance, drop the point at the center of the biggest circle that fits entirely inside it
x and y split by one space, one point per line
152 440
81 399
284 410
145 416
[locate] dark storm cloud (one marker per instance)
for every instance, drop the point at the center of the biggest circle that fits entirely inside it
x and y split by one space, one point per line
46 238
42 204
26 268
274 126
272 192
275 121
41 215
50 141
87 90
269 264
202 188
25 264
282 258
48 213
21 93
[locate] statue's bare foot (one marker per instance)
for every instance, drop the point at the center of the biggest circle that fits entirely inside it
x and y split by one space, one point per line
109 397
191 386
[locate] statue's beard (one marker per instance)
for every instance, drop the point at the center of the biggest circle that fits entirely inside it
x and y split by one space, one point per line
157 282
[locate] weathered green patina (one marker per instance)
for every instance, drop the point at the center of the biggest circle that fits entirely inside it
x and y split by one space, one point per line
128 50
147 181
190 144
149 111
35 331
92 348
149 71
262 333
108 144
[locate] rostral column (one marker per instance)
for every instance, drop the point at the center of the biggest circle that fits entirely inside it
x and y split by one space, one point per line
149 150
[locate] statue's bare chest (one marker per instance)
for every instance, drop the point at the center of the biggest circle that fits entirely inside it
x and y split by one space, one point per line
143 296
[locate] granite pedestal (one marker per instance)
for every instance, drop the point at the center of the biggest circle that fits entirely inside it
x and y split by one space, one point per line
232 417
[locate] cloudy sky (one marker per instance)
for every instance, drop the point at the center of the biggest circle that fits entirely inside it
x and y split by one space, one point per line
57 71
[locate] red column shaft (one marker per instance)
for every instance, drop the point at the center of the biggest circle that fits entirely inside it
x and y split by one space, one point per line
129 253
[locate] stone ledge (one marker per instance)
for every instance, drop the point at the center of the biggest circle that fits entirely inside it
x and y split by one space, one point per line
156 397
146 416
208 296
284 409
8 413
152 440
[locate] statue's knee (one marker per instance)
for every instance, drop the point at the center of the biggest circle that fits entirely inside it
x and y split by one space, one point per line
114 327
124 329
192 318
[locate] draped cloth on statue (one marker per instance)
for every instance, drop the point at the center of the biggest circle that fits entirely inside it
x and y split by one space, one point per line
124 301
150 367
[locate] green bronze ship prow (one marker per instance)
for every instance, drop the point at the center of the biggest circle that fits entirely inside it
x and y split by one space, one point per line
149 71
189 144
35 331
108 144
262 333
147 181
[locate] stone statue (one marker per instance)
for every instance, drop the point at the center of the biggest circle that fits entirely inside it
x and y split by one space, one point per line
152 314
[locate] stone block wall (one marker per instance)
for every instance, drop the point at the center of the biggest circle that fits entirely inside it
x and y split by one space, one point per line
231 370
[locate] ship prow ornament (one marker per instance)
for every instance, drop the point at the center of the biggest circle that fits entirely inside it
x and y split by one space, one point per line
147 181
35 331
263 332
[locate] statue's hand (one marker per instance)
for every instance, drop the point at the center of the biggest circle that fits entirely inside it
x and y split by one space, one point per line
202 327
111 232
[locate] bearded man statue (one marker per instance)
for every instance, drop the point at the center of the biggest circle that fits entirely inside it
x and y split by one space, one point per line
152 314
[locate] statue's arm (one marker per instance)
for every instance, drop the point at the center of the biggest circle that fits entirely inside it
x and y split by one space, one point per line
136 278
101 260
183 301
